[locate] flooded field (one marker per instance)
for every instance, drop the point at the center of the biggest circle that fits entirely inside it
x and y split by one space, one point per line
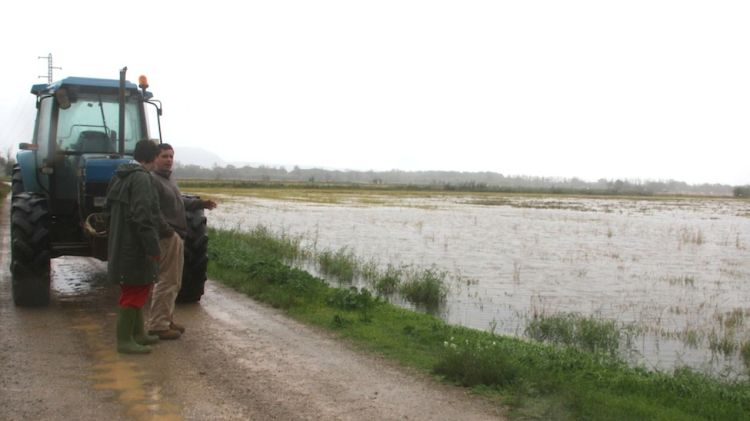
674 273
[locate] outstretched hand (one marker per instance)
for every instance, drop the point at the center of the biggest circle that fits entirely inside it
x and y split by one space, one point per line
209 204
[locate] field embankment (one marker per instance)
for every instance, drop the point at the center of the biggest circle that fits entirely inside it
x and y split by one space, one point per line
580 380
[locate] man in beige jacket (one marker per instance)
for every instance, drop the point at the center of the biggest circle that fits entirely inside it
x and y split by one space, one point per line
171 242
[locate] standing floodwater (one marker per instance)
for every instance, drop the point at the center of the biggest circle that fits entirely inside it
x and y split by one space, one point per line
674 274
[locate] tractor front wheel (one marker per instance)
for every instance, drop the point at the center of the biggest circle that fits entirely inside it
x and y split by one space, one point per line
16 182
30 249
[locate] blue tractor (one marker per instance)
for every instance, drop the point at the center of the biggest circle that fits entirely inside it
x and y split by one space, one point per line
84 129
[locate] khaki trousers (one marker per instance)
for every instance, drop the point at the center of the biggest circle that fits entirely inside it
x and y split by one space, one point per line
170 280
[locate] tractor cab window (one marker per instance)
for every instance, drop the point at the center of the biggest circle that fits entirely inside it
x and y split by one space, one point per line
90 124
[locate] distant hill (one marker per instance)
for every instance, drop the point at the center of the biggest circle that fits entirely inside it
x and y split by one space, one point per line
186 155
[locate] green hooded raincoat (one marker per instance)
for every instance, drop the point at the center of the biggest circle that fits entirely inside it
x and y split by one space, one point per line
133 209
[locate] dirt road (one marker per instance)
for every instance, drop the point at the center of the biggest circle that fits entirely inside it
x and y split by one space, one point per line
238 360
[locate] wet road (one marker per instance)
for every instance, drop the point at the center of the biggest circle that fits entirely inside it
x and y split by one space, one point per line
238 360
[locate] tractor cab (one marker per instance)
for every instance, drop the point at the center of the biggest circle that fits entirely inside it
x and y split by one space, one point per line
82 117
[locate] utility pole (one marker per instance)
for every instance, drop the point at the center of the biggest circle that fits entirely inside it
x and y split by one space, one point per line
49 67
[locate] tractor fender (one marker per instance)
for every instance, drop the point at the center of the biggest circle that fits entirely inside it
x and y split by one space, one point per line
26 161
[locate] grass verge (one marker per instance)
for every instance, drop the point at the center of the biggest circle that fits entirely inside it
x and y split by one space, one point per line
535 380
4 190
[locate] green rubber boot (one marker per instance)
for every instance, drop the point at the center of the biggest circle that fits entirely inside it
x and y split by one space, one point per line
125 325
139 331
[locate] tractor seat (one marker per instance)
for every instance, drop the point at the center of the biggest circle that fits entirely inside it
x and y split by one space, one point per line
94 142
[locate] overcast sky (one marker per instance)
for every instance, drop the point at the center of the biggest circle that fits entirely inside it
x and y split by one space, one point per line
648 90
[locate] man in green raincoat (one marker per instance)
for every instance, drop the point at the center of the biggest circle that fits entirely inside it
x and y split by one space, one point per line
133 245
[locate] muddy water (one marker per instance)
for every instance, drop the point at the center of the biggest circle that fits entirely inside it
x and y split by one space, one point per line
675 273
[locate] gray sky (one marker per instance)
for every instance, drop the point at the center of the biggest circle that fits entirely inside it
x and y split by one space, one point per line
646 90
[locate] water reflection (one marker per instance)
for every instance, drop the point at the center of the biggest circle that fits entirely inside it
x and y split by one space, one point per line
672 271
78 279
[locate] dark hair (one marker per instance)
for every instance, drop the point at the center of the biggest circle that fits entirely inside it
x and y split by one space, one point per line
145 151
165 147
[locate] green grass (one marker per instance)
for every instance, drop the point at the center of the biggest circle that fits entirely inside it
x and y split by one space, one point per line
573 377
426 288
4 190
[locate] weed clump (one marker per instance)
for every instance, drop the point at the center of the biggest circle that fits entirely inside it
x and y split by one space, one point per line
586 333
388 282
425 287
351 299
745 354
341 264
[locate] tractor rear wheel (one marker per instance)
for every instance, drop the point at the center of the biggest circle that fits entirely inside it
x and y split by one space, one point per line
30 249
16 184
196 258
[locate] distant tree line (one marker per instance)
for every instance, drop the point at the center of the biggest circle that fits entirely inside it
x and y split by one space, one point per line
7 162
454 180
741 191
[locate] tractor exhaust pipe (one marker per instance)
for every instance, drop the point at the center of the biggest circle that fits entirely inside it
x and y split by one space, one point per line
121 128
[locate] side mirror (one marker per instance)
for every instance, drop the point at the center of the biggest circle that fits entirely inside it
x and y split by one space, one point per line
63 101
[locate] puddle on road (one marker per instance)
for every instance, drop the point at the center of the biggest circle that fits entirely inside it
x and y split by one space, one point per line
78 279
80 283
122 375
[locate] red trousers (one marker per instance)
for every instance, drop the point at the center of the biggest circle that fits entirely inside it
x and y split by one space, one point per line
134 295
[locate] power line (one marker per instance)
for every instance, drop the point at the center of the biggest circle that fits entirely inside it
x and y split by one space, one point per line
50 67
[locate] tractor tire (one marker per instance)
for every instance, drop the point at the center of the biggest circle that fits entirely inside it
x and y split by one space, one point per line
196 258
30 250
16 184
